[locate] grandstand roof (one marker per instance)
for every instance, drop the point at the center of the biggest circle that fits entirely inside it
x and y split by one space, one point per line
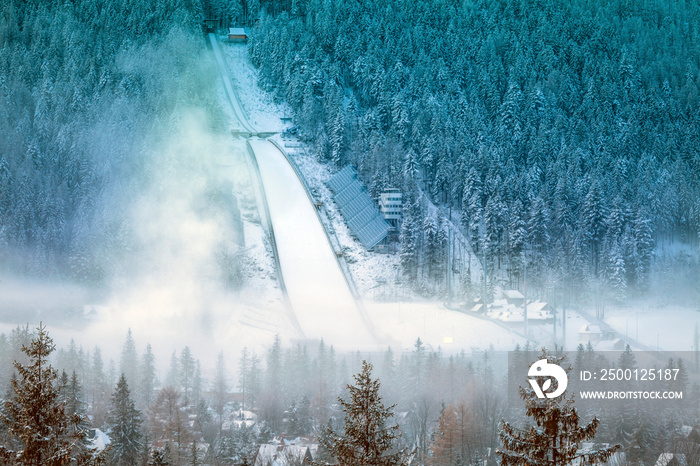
358 209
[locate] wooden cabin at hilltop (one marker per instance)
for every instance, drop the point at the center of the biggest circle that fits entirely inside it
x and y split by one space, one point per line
238 34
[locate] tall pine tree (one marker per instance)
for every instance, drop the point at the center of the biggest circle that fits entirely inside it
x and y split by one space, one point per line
147 379
129 362
367 438
36 415
555 437
125 422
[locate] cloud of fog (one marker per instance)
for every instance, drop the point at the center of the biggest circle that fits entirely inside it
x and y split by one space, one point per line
169 289
168 284
156 248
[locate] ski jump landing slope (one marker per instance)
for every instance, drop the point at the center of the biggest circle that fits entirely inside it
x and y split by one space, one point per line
318 293
323 303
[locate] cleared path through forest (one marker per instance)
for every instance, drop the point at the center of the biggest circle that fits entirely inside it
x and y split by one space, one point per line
320 298
233 100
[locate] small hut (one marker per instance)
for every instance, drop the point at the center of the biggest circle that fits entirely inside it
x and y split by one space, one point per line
237 34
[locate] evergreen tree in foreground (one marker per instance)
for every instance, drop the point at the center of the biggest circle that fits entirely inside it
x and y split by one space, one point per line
125 422
36 416
555 438
367 439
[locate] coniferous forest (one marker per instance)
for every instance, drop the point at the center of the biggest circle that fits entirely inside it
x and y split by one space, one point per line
83 87
449 409
567 130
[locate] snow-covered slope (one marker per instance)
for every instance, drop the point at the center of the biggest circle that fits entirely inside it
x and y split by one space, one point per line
322 302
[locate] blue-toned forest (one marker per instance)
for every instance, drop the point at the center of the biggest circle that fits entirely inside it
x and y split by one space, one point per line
82 86
567 129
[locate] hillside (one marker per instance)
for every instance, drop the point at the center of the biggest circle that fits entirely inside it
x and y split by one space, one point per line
565 130
84 87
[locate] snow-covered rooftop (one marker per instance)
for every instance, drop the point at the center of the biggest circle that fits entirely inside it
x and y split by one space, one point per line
513 294
282 455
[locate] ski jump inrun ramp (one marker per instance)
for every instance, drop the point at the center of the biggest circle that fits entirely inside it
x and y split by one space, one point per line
318 298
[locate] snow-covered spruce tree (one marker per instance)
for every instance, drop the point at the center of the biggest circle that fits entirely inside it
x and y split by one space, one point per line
36 417
555 438
129 362
125 423
74 396
272 404
644 247
409 241
188 366
367 440
236 444
148 379
431 245
220 388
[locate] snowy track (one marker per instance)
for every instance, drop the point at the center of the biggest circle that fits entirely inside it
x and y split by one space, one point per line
320 302
232 98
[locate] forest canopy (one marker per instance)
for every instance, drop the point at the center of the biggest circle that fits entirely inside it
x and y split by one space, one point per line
83 83
568 129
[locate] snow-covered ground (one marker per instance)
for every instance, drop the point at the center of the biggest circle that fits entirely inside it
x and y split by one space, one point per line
262 113
240 118
260 298
437 326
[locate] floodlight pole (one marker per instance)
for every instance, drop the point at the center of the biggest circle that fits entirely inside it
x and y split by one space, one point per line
525 294
485 285
449 268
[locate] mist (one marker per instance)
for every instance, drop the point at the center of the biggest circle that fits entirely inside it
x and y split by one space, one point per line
159 247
